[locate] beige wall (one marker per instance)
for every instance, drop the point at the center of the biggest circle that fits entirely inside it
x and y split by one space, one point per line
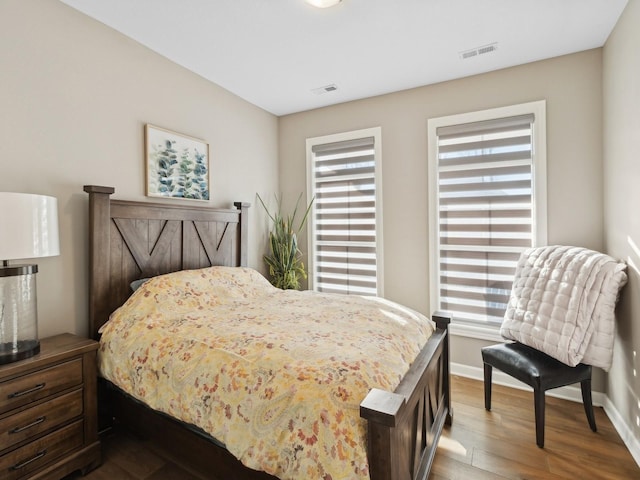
621 86
572 87
74 98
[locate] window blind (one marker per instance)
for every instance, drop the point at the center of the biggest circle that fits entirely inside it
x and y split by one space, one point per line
485 213
344 220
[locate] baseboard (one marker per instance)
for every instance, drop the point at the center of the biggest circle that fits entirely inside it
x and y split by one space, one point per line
568 393
632 443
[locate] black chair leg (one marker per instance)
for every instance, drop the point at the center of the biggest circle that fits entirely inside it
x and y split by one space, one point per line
487 386
585 385
538 398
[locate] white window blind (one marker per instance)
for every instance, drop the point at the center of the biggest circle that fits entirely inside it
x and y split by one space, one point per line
485 214
344 233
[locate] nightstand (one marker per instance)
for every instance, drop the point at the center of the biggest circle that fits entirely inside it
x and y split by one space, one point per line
48 411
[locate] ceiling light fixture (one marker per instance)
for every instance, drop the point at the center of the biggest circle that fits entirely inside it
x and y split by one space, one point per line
323 3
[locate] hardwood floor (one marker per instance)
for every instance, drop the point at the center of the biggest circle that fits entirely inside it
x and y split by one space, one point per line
501 444
479 445
126 457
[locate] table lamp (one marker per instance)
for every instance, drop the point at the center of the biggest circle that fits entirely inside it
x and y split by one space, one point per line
28 229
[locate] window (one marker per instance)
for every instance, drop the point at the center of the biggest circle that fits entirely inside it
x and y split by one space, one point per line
487 204
345 240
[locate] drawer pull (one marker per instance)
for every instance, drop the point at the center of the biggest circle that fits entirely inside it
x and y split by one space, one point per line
37 421
24 463
40 386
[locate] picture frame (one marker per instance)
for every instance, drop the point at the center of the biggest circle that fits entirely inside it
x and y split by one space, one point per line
177 165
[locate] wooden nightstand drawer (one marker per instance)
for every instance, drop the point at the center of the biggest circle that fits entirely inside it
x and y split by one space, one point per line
37 385
40 452
36 420
48 411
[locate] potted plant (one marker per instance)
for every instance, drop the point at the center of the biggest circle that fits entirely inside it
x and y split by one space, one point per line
285 258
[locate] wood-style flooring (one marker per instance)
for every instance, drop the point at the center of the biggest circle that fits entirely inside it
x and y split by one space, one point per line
479 445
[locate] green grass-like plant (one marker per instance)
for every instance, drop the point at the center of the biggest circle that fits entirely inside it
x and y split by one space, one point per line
285 258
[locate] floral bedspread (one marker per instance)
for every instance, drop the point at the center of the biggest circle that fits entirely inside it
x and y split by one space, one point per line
277 376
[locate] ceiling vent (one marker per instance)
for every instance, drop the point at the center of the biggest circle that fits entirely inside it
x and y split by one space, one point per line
326 89
474 52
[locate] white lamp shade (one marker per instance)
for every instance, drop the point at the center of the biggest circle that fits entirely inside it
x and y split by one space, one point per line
28 226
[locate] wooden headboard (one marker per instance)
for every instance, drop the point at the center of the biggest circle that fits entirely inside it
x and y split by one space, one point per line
133 240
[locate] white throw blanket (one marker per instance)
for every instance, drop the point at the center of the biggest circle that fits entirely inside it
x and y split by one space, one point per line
562 303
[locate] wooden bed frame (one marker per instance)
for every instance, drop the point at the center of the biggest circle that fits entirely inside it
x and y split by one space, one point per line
132 240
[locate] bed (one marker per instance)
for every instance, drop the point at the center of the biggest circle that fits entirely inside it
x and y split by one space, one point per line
133 240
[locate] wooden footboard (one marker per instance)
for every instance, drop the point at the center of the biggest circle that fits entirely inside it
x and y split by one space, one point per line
404 426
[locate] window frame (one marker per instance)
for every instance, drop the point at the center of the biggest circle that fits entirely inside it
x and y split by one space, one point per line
376 133
539 193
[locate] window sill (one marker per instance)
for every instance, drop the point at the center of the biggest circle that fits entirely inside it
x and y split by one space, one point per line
476 331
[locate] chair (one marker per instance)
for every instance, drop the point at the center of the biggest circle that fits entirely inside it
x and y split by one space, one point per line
539 371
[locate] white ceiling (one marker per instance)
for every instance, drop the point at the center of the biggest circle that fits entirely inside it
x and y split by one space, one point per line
274 53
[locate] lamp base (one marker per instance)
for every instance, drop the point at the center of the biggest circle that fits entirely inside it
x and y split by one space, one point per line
18 315
12 352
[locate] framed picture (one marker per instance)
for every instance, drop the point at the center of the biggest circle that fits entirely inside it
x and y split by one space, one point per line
177 165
